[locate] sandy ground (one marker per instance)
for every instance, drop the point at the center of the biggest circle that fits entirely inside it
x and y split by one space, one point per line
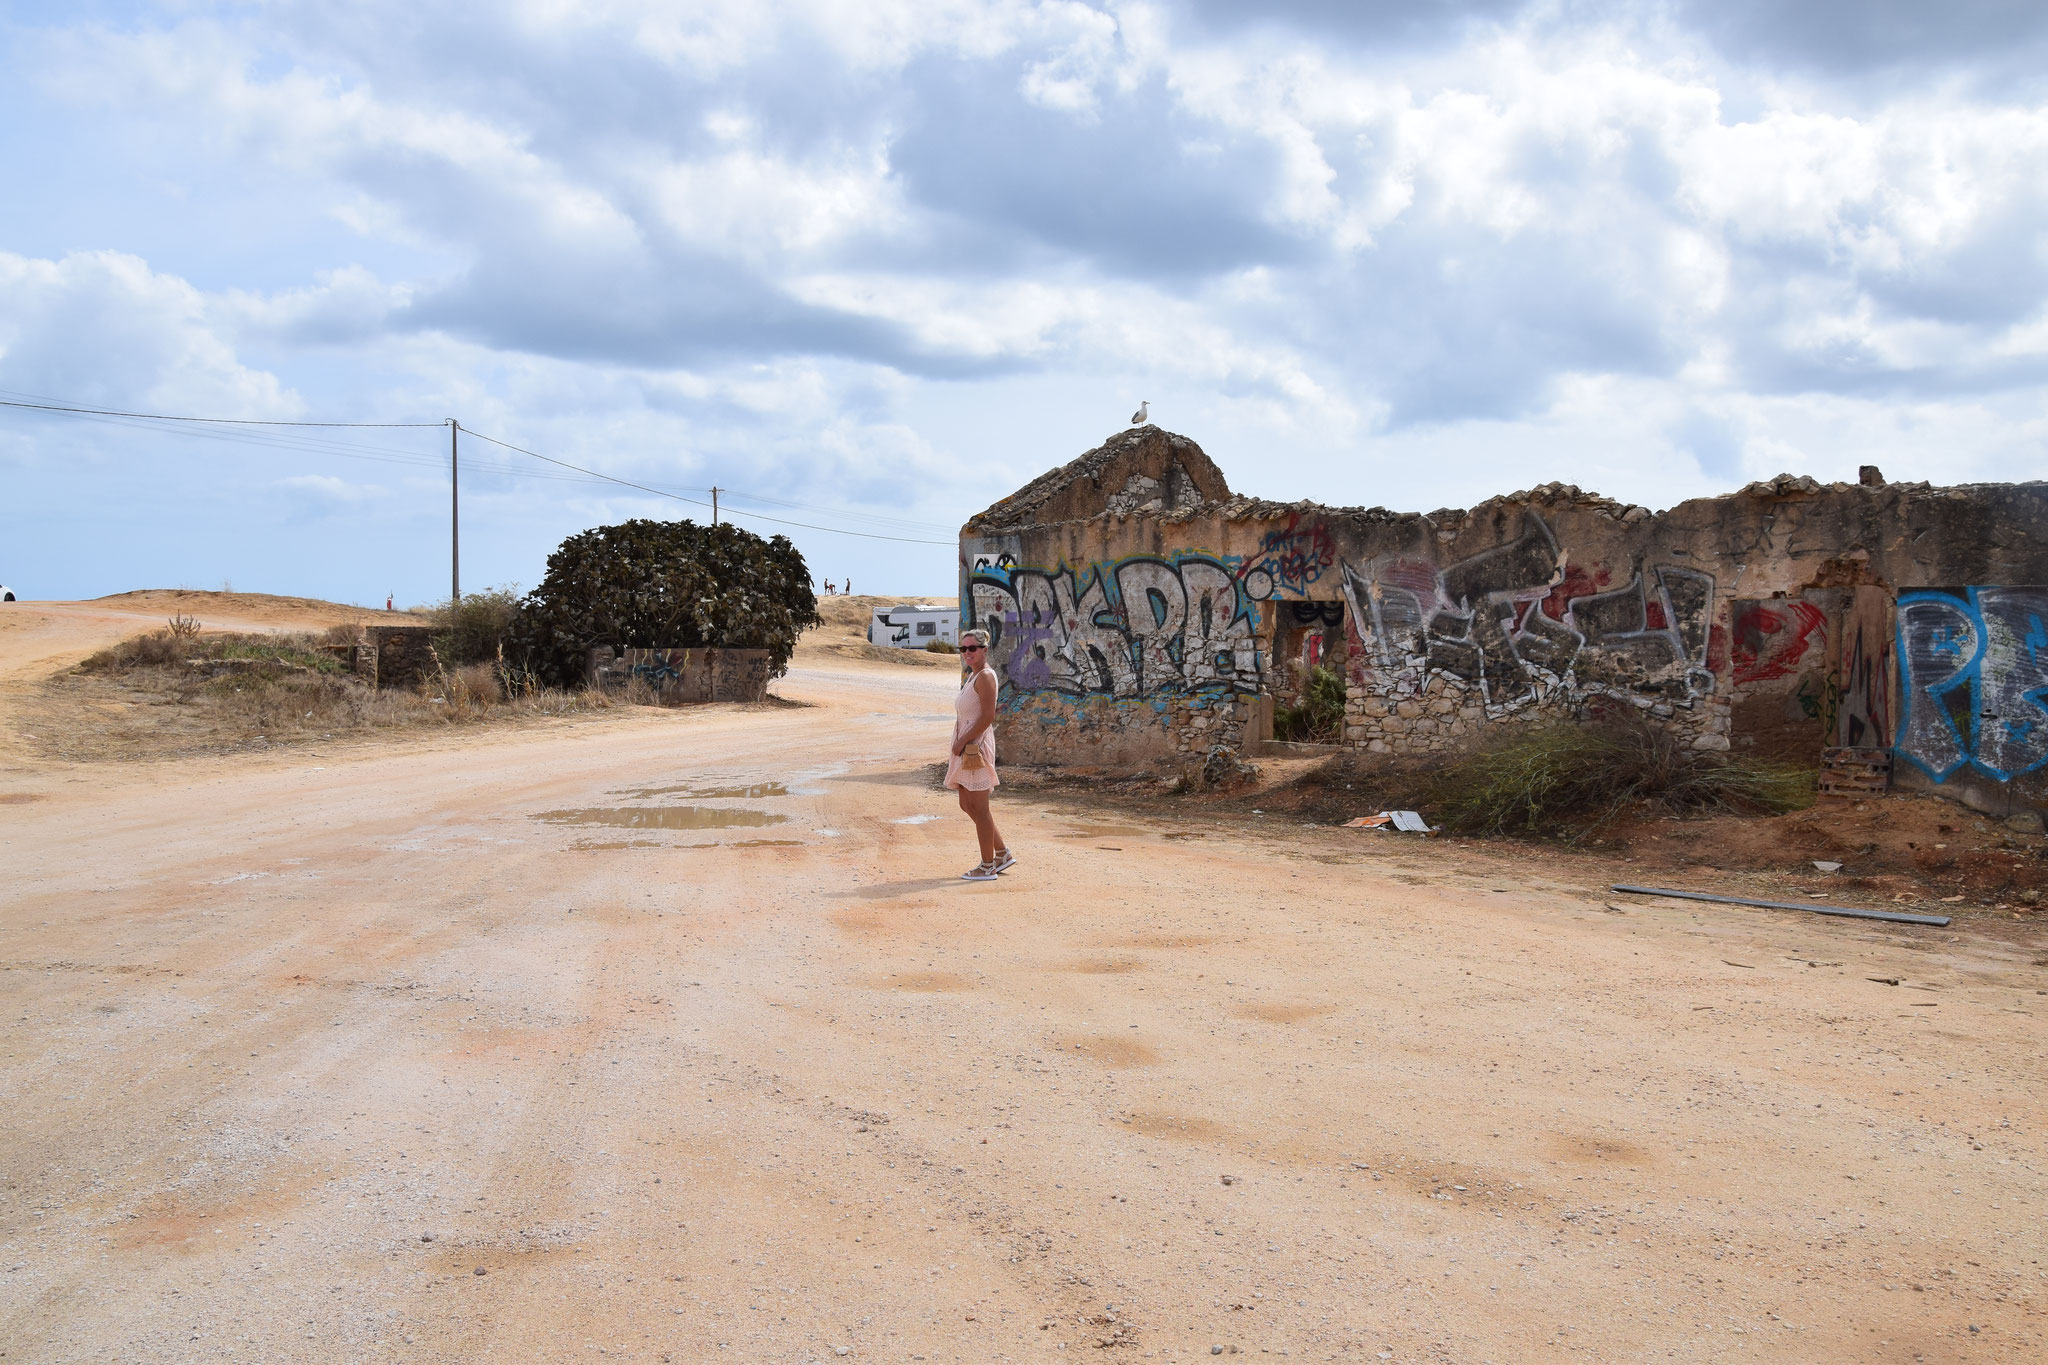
386 1054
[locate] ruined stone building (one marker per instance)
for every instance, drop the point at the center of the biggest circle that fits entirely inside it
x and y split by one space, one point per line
1144 616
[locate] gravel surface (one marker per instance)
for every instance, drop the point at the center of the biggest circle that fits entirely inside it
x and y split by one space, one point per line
349 1057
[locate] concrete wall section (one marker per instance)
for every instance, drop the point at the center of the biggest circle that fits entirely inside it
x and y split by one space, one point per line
1973 694
1114 660
682 676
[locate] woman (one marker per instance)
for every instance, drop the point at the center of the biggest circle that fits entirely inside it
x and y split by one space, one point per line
972 768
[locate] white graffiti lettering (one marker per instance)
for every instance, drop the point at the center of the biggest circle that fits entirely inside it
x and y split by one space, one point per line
1131 629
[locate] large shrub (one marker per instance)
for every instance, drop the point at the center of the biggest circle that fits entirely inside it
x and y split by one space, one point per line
663 585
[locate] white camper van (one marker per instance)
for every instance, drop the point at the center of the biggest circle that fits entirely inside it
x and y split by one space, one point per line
6 593
914 627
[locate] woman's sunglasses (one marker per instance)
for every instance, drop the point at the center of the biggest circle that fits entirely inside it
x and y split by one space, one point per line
972 649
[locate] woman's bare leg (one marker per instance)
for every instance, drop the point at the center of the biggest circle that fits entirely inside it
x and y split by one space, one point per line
976 806
988 822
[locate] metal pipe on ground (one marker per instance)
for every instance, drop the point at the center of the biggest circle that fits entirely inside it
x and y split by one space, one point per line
1892 916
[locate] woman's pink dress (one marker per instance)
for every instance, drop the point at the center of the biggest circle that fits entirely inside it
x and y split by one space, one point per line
967 715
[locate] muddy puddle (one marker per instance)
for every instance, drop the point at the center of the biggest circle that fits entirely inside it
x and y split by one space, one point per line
756 792
663 817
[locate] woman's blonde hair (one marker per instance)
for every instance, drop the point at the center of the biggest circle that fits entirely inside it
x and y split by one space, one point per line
979 637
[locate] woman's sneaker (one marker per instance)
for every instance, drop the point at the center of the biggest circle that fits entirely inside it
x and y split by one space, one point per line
1005 860
980 872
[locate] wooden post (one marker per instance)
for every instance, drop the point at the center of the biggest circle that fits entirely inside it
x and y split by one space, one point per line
454 517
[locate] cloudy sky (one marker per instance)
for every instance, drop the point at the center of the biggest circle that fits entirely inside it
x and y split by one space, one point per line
887 261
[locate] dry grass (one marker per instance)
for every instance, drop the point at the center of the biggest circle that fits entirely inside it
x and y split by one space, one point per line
171 692
1574 779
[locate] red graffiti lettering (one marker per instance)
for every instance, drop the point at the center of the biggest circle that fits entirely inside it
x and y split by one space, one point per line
1771 640
1577 582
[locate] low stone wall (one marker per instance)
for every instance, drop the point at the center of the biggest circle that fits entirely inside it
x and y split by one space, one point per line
680 677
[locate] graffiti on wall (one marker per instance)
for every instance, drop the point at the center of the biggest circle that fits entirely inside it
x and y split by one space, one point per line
1290 559
1130 628
678 676
1863 718
1498 621
1973 665
1773 639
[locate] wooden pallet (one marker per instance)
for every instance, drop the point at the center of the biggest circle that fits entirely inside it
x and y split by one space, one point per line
1855 772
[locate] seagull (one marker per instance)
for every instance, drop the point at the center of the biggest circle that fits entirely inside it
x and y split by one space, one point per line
1144 411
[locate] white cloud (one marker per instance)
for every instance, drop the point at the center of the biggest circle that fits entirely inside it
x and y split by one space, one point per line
101 326
769 234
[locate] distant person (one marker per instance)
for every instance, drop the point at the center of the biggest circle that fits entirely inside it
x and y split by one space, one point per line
828 587
971 769
387 602
848 589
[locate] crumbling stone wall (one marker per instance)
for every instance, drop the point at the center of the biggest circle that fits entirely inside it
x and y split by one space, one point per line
1143 632
394 656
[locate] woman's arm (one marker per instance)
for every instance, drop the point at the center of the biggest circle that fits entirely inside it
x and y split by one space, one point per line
985 693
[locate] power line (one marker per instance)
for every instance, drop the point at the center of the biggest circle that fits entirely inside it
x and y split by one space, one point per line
857 516
578 474
224 421
698 502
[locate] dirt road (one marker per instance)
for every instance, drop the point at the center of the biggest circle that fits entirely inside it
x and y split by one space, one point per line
388 1053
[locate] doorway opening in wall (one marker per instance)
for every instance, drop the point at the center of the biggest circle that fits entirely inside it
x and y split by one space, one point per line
1308 673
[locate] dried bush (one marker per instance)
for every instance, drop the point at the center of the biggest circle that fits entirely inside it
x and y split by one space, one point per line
1572 779
471 689
662 585
472 630
941 647
158 649
183 627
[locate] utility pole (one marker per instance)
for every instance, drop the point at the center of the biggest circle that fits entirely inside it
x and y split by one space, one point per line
454 517
714 504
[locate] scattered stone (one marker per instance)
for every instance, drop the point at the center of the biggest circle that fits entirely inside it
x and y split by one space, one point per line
1827 867
1230 1180
481 1271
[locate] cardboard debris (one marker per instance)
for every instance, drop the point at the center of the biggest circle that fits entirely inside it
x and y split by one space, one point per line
1407 821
